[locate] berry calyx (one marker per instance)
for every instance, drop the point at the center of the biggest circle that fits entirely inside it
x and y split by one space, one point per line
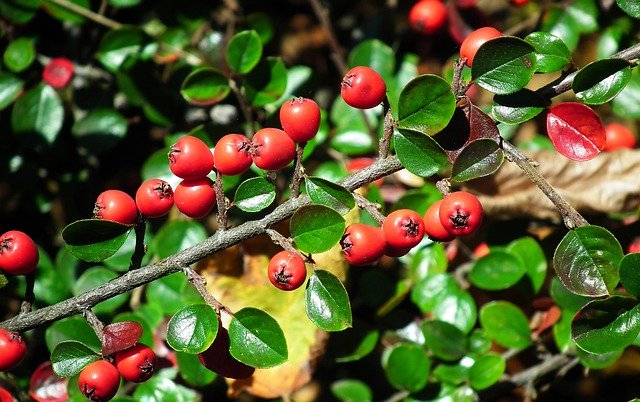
18 253
363 88
272 149
137 363
58 72
12 349
99 381
116 206
474 40
432 225
287 270
403 228
232 154
427 16
190 158
461 213
619 136
154 198
300 119
195 198
362 244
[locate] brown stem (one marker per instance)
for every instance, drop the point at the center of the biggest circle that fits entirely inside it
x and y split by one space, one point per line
385 141
140 248
200 284
298 171
244 106
29 296
372 208
280 240
94 323
85 12
221 200
337 53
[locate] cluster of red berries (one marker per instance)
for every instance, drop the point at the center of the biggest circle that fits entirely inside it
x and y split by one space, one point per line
18 253
154 198
458 214
100 380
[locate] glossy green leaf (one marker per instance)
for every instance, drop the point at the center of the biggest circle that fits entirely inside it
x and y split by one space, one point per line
349 390
631 7
171 293
261 23
118 45
427 261
120 261
266 82
255 194
598 361
332 195
327 302
562 332
611 37
69 357
20 53
426 105
73 328
585 13
192 371
124 3
48 287
365 346
407 367
497 270
566 299
630 273
256 339
479 158
627 103
457 308
192 329
506 324
94 240
552 54
560 24
451 373
38 112
418 153
19 11
587 260
605 326
64 13
316 228
353 141
601 81
375 54
244 51
205 87
479 342
94 277
100 129
163 388
504 65
532 257
518 107
10 88
418 199
486 371
176 236
444 340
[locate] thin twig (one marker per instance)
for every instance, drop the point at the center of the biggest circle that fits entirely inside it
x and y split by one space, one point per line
221 201
385 141
245 108
280 240
298 171
29 296
94 323
200 284
337 53
372 208
85 12
140 248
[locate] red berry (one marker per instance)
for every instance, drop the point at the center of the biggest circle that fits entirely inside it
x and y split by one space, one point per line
363 88
300 119
231 155
287 270
190 158
12 349
195 198
58 72
18 253
154 198
99 381
403 228
272 149
474 40
137 363
427 16
5 396
116 206
619 137
218 359
461 213
46 386
362 244
519 2
432 225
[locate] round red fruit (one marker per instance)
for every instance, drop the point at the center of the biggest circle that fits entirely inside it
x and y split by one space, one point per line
18 253
99 381
619 137
137 363
362 244
154 198
190 158
195 198
116 206
12 349
427 16
432 225
461 213
403 228
363 88
287 270
474 40
5 396
272 149
58 72
231 155
300 119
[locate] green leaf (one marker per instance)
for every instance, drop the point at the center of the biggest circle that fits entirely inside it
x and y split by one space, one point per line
407 367
48 287
192 329
171 293
518 107
598 361
256 339
566 299
266 82
162 387
486 371
20 53
72 329
94 277
327 302
332 195
94 240
19 11
120 261
192 371
605 326
176 236
244 51
353 141
532 257
426 104
375 54
119 45
445 341
452 373
39 113
587 260
457 308
205 87
349 390
630 273
124 3
255 194
479 342
262 24
427 261
420 154
316 228
627 103
504 65
601 81
366 346
68 358
552 54
506 324
631 7
479 158
100 130
429 292
497 270
10 88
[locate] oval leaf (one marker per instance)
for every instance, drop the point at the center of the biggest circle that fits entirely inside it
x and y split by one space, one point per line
532 257
631 7
256 339
365 346
630 273
10 88
100 129
478 159
316 228
426 104
255 194
69 358
419 154
327 302
244 51
38 112
497 270
266 82
332 195
587 260
518 107
348 390
192 329
445 341
552 54
94 240
406 367
118 45
486 370
506 324
601 81
120 336
205 87
375 54
504 65
19 54
576 131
